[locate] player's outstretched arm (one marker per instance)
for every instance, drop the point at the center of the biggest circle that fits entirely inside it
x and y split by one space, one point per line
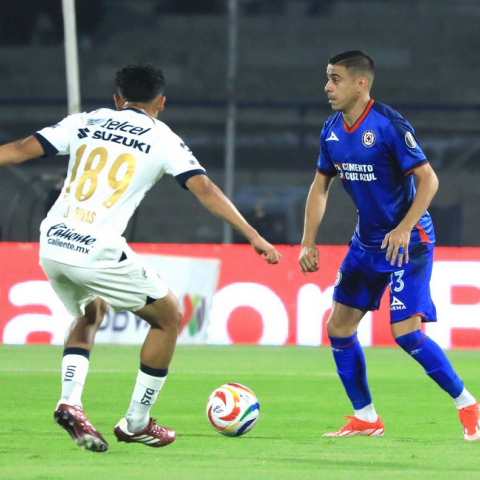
212 198
398 239
20 151
314 211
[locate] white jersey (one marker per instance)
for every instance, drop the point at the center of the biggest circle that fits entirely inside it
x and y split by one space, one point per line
116 156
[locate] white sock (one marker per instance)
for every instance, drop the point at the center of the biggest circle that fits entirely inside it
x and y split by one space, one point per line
144 396
367 414
465 399
74 374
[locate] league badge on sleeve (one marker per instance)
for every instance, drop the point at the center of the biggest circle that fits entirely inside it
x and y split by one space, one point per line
368 138
410 140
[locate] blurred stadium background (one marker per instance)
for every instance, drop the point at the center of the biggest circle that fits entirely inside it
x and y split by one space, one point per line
427 62
426 55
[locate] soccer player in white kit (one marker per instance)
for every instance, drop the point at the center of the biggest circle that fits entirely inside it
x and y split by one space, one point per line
116 156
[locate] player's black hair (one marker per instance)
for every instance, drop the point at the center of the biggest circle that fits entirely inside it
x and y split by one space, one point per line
140 82
354 60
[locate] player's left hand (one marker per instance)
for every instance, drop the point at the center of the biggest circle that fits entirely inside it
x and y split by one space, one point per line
397 242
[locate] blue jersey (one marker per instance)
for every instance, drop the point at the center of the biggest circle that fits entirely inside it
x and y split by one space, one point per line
374 159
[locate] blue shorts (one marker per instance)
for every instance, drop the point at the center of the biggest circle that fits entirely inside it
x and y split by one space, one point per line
364 276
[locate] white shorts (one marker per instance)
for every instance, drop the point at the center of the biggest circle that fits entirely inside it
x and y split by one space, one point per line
127 285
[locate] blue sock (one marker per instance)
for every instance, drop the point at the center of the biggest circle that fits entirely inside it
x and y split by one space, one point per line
351 368
432 358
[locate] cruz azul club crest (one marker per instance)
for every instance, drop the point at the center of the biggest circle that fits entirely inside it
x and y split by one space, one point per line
368 138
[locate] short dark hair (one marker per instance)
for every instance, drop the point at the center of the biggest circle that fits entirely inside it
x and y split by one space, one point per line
140 82
354 60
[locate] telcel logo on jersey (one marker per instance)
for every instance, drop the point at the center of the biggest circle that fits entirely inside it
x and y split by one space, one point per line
126 127
114 125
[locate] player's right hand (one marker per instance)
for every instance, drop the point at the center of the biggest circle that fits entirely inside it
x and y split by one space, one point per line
308 259
265 249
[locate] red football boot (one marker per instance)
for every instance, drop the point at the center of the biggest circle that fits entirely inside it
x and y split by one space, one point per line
152 435
75 422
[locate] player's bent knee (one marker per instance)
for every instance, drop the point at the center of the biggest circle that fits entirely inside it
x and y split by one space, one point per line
332 327
344 320
338 328
171 322
95 311
172 316
406 326
163 313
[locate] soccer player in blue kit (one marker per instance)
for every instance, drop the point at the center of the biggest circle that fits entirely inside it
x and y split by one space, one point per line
374 151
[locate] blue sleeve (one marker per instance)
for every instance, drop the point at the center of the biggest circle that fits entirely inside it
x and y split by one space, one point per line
404 146
324 163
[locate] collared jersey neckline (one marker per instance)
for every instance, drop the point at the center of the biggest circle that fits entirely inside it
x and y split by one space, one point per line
360 119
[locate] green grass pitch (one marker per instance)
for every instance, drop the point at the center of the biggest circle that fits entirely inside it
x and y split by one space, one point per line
300 398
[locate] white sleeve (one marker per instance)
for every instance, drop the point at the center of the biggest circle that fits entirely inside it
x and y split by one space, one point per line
55 140
179 161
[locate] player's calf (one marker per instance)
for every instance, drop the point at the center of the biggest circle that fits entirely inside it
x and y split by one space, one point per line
433 359
437 366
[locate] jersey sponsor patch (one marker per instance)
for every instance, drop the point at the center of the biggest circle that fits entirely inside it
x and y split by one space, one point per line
83 132
339 278
119 139
356 172
397 304
410 140
339 170
368 138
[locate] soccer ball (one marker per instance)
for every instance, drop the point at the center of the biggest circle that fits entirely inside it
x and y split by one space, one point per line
232 409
